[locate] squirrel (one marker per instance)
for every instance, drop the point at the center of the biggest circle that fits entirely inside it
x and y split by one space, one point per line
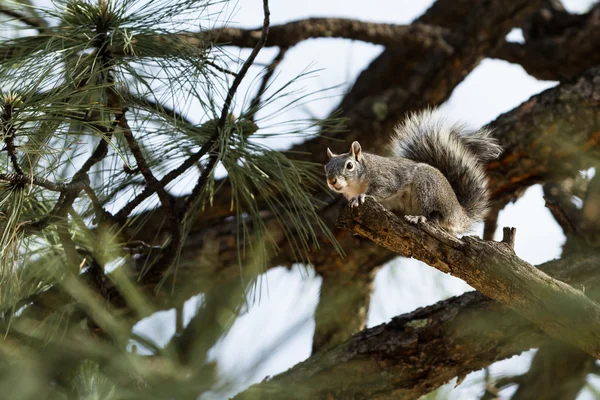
436 174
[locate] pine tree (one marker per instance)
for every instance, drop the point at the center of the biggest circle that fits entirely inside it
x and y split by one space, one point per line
109 109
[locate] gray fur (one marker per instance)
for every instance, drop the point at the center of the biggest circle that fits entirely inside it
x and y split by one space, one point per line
437 175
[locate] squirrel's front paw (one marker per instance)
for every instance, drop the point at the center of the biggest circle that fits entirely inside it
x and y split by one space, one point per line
415 219
357 200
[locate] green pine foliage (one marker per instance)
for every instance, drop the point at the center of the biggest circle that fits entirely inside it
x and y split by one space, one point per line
111 108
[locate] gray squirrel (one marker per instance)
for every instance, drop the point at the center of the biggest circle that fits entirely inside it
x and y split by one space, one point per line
437 172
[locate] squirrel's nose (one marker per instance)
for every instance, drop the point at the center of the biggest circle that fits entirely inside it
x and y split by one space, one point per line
333 181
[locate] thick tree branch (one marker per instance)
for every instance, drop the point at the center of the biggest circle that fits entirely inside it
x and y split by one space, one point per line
418 352
292 33
490 267
559 45
538 145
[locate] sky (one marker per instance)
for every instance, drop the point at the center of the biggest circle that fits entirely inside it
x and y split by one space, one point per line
289 297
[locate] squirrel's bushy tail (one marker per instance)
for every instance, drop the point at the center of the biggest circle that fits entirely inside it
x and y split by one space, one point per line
458 152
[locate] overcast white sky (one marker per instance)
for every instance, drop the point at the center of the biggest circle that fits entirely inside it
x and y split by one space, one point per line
290 297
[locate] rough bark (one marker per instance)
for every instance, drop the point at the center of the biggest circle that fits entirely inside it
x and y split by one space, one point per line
558 45
490 267
292 33
417 352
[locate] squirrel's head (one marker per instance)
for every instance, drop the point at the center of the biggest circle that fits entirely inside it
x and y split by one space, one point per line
345 171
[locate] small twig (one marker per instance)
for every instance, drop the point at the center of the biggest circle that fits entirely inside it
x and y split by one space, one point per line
561 217
264 83
490 392
164 197
140 247
508 236
194 158
9 137
98 154
220 69
130 171
209 145
509 380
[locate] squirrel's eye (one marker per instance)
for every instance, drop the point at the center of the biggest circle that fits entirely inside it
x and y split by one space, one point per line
349 165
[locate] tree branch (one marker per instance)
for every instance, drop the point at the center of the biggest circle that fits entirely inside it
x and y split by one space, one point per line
292 33
34 22
564 45
418 352
42 182
490 267
210 144
8 132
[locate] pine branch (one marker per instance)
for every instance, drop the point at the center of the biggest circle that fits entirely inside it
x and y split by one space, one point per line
211 143
166 199
22 180
8 131
270 70
67 197
37 23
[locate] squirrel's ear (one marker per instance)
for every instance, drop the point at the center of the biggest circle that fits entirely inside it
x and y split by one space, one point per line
329 153
356 150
